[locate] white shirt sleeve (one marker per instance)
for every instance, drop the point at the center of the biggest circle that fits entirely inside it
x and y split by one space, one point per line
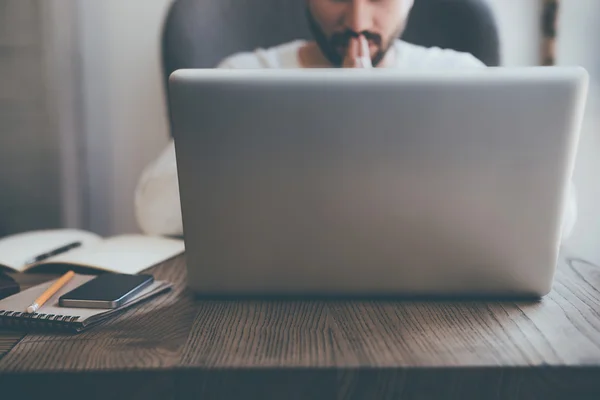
569 217
157 205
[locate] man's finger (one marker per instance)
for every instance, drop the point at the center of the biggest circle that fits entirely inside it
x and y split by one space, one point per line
365 53
364 47
358 54
352 53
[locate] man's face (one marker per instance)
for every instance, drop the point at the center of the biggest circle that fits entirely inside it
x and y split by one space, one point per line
334 22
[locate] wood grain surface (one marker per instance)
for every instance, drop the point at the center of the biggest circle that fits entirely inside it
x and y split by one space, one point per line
146 336
178 346
8 339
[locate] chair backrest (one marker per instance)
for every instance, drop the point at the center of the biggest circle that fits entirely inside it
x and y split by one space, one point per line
462 25
201 33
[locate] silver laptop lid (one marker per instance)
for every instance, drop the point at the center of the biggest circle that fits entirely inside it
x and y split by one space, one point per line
346 181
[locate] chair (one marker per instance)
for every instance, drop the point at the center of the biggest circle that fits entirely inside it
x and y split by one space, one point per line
201 33
462 25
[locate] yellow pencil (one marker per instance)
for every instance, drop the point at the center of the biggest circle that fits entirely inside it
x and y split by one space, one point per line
50 292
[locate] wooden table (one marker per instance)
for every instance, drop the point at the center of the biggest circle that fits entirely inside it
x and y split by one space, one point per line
177 346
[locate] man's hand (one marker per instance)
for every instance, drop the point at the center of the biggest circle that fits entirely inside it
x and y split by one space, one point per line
358 54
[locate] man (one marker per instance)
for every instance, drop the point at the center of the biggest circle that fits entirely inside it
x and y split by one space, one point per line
348 34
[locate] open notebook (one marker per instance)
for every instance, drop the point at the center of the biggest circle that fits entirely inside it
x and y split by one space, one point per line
126 254
52 317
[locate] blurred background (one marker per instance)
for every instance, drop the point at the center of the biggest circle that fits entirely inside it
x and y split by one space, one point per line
82 106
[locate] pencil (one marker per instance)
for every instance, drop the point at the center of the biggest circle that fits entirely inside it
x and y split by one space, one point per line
50 292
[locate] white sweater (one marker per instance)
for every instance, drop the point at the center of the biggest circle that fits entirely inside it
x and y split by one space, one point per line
157 203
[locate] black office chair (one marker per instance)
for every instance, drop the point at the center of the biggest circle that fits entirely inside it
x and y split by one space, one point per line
201 33
462 25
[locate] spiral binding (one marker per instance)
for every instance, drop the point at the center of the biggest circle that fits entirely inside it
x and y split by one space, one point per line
15 319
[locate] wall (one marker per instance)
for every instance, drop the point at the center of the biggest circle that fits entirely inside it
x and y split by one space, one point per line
29 145
63 82
579 44
125 117
519 33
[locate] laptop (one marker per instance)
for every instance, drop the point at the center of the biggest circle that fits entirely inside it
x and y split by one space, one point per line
337 182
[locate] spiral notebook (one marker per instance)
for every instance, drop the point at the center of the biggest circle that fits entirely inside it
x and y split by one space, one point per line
52 317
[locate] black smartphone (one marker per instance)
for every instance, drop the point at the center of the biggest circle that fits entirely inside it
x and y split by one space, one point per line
106 291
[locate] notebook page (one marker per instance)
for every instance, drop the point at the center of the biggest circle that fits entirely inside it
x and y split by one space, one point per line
16 250
126 254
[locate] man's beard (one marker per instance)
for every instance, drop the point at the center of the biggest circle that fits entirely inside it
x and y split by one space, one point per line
329 46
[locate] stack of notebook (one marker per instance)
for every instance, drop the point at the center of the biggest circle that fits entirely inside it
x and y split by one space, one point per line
52 317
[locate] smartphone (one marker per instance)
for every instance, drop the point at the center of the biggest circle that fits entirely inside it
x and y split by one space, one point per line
106 291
